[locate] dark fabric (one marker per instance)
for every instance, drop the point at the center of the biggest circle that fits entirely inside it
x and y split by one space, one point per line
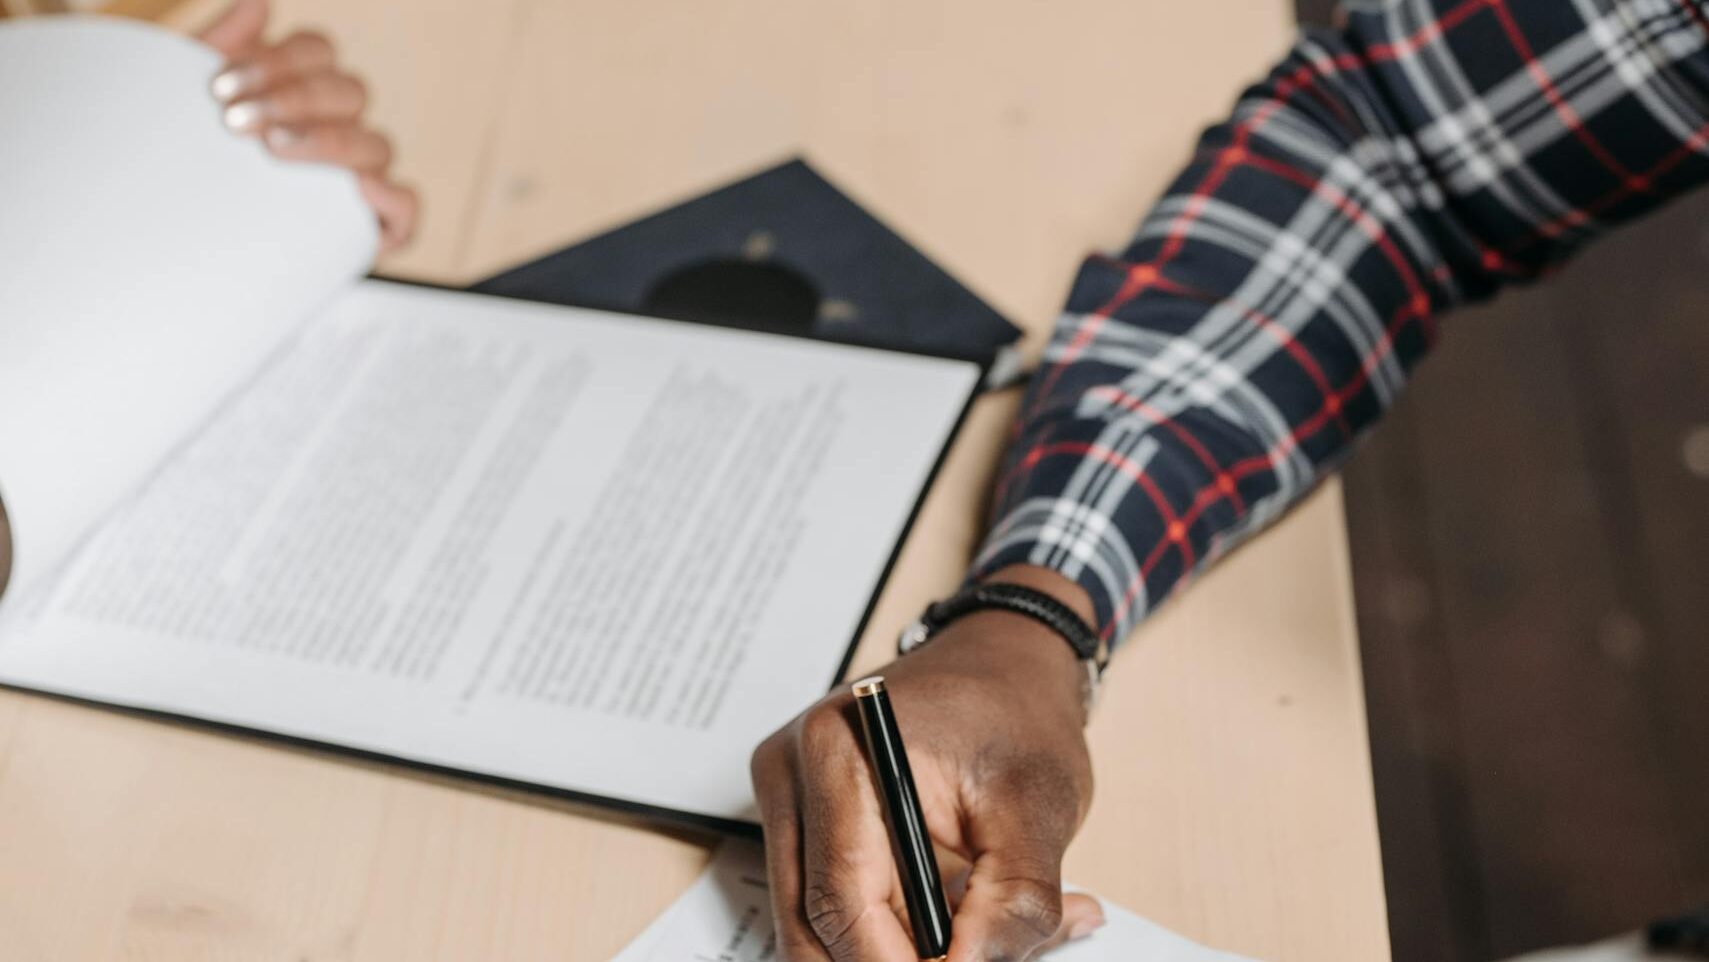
1270 308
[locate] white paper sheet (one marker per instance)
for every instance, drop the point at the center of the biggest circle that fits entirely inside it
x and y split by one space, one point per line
599 553
149 260
726 917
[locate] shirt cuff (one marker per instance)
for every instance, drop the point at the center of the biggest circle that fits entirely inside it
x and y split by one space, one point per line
1084 508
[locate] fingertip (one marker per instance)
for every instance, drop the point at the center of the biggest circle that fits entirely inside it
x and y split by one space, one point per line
396 206
245 117
1081 915
235 81
310 48
283 140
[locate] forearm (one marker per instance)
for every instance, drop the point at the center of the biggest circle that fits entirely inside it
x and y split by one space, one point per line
1272 305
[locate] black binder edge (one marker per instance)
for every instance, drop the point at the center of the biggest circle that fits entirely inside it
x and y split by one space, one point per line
642 812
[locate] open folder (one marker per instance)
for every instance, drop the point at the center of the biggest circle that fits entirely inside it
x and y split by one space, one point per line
592 553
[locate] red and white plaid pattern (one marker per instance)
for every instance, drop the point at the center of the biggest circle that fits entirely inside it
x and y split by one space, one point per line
1270 307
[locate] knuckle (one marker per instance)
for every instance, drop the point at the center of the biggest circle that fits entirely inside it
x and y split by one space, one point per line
325 86
289 102
766 760
830 913
409 211
329 95
310 43
337 141
824 730
404 201
354 87
265 66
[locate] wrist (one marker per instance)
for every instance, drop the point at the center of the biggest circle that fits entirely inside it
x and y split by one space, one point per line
1023 656
1050 582
1025 628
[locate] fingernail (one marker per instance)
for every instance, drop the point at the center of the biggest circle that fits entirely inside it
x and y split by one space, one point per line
280 138
228 84
1085 927
244 117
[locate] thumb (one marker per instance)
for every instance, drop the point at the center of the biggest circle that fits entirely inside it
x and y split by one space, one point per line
1014 907
238 30
1081 916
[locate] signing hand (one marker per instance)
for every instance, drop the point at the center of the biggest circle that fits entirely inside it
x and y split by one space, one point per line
992 715
294 96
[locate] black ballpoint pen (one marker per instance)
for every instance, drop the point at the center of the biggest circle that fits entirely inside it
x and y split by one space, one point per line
922 889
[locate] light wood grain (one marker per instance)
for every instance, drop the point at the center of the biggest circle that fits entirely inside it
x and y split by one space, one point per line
136 9
1005 138
25 8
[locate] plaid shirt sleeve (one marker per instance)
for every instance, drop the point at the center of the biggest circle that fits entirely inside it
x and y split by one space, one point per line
1271 306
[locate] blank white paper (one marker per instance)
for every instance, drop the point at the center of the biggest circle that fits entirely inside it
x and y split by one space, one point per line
725 916
149 261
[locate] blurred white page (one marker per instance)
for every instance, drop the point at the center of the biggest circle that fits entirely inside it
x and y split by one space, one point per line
149 260
726 917
594 552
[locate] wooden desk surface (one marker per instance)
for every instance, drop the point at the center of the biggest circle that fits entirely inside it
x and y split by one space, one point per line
1004 138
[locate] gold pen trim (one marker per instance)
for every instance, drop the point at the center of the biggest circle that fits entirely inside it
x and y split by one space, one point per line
866 688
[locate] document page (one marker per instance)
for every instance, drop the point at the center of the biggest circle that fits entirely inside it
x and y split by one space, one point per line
726 917
594 552
151 260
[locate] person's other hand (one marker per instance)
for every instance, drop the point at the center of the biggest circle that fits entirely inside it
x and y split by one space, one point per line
991 711
5 548
293 95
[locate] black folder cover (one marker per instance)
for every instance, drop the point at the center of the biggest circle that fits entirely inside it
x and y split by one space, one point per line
781 251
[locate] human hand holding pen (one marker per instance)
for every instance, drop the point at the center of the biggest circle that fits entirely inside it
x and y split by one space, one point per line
993 718
294 96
